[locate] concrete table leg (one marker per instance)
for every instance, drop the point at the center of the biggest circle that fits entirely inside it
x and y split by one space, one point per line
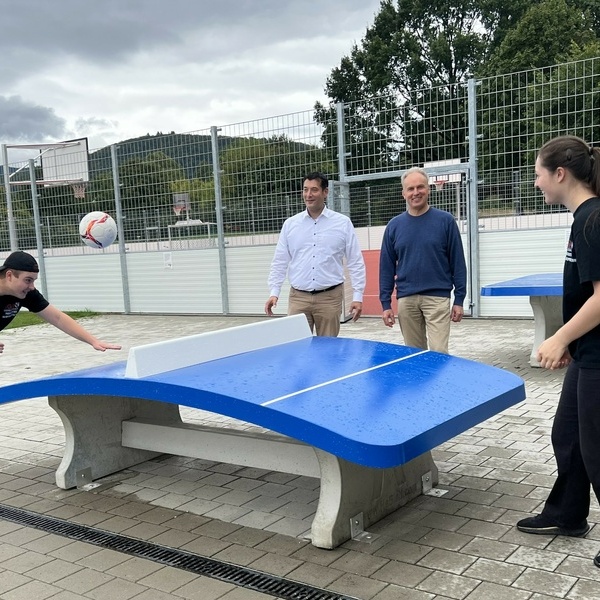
547 315
348 489
93 433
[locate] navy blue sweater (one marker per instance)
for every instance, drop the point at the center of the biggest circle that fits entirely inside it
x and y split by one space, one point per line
425 256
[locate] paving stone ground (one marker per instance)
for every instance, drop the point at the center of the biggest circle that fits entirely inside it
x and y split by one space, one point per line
461 546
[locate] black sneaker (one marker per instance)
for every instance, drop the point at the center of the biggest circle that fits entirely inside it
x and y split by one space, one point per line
542 525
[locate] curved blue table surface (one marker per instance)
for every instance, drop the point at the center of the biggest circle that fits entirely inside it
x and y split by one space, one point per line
541 284
372 403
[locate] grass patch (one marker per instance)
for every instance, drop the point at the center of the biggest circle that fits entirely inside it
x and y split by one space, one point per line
26 318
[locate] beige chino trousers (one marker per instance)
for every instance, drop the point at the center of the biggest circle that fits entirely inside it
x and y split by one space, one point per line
423 319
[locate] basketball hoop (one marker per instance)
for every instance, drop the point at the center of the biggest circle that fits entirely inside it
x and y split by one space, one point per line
439 184
79 189
181 201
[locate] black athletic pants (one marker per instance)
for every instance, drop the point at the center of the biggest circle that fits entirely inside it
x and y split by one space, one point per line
576 443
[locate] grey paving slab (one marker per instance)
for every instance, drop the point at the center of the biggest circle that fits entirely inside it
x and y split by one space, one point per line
461 545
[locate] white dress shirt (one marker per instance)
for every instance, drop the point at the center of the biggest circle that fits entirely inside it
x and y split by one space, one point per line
311 252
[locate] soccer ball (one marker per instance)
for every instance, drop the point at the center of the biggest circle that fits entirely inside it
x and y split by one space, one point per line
97 229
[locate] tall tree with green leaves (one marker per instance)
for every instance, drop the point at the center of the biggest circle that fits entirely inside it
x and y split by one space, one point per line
566 99
404 83
521 96
498 18
543 36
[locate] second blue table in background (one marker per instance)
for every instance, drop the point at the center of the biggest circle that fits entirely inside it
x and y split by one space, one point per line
545 296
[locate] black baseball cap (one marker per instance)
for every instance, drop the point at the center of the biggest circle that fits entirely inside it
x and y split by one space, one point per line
20 261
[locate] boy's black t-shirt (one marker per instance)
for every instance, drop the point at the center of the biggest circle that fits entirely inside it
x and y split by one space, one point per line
582 267
10 306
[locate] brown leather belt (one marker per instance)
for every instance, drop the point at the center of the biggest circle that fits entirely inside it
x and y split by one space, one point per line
319 291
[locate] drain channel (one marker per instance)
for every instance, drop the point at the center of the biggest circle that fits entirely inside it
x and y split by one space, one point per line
242 576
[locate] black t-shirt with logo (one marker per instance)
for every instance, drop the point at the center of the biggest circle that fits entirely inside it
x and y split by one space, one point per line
582 268
10 306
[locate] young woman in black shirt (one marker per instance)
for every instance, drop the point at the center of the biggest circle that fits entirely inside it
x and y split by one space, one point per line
567 172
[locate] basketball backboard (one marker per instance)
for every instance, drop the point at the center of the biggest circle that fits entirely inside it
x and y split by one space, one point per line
441 172
65 161
181 201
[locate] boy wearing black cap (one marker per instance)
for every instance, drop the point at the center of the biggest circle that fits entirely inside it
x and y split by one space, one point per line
17 289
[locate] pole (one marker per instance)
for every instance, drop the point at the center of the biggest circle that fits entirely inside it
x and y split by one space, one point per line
158 233
368 188
49 232
10 219
341 141
38 226
214 137
119 211
472 208
457 190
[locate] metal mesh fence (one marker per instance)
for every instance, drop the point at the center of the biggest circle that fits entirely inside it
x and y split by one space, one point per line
388 134
374 204
262 164
164 186
164 181
516 114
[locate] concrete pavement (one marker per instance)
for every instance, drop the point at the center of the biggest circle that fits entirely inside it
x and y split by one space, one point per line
462 545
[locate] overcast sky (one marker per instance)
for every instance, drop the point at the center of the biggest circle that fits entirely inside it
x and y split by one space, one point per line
116 69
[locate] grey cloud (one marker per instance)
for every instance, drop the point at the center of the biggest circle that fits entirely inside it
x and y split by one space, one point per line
163 64
101 132
22 121
94 123
40 32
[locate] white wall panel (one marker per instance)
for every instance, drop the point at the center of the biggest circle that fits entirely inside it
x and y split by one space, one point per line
188 281
370 238
179 282
247 274
88 282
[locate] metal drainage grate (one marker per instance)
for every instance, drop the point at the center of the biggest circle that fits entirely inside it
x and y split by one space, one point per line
241 576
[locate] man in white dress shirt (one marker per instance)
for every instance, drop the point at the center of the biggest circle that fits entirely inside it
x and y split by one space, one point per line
311 250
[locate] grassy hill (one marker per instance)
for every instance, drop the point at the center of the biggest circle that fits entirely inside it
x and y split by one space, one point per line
193 152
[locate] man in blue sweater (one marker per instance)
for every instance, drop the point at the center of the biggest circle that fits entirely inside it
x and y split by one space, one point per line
422 256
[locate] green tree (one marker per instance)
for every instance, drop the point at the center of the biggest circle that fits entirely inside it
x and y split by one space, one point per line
413 44
560 100
591 8
513 107
499 18
100 194
404 84
551 31
567 99
403 87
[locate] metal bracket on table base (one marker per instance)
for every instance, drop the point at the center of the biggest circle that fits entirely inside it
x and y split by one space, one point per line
84 479
427 486
357 531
